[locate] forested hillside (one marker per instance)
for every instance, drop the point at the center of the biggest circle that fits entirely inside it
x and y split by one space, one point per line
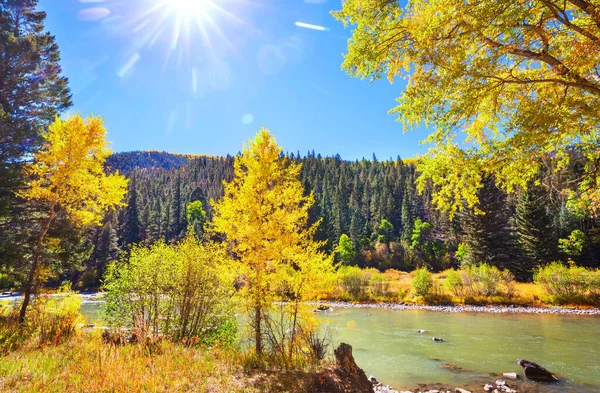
129 161
375 203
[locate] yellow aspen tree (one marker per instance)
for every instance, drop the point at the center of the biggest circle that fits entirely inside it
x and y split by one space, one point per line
264 215
67 175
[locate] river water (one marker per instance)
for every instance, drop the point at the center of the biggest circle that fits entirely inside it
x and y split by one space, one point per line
477 347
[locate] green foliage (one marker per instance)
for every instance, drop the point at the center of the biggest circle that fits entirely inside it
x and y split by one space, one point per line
460 252
32 93
429 250
488 234
385 231
196 216
422 282
573 244
345 250
5 281
563 282
352 281
536 234
195 212
421 231
480 280
179 290
454 282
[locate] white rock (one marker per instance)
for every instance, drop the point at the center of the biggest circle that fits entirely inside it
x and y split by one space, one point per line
500 382
488 387
510 375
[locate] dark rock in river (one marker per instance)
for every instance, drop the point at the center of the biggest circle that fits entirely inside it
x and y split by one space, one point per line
535 372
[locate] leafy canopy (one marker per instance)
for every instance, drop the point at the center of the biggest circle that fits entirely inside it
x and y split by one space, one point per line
68 171
506 86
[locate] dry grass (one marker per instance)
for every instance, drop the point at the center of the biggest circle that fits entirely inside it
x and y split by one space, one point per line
85 364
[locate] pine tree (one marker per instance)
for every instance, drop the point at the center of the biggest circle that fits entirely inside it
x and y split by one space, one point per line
154 223
536 234
407 217
32 94
489 237
175 228
130 226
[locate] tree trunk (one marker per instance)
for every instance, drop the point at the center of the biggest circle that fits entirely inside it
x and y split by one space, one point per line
34 267
257 330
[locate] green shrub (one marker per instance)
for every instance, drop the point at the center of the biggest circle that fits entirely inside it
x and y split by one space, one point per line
454 283
593 281
422 282
481 280
5 281
175 290
379 283
487 279
352 281
562 281
88 280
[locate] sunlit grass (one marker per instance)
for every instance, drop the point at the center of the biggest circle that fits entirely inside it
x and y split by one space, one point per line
86 364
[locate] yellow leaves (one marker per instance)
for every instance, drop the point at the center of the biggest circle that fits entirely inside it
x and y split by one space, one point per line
510 80
264 215
68 172
455 175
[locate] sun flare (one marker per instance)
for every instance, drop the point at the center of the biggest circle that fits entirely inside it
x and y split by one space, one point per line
190 8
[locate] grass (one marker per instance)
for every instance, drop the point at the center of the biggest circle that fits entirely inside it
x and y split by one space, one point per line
86 364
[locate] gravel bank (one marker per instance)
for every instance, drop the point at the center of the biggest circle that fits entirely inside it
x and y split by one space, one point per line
467 308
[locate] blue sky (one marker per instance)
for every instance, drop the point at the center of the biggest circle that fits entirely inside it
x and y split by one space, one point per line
230 67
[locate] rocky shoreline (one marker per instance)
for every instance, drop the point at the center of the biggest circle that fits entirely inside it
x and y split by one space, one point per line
492 309
499 387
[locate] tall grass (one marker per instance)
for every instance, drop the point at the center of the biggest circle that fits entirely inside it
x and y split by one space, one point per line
86 364
49 321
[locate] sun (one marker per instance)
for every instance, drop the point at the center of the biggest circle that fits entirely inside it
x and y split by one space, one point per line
191 35
191 8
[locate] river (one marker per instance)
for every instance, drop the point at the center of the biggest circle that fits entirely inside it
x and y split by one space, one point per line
477 347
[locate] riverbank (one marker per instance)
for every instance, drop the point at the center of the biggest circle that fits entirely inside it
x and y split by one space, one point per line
493 309
98 298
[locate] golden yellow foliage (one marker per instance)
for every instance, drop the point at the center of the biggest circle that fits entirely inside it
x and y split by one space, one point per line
264 214
68 175
68 172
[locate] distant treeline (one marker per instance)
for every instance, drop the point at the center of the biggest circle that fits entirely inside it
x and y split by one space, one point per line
375 203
